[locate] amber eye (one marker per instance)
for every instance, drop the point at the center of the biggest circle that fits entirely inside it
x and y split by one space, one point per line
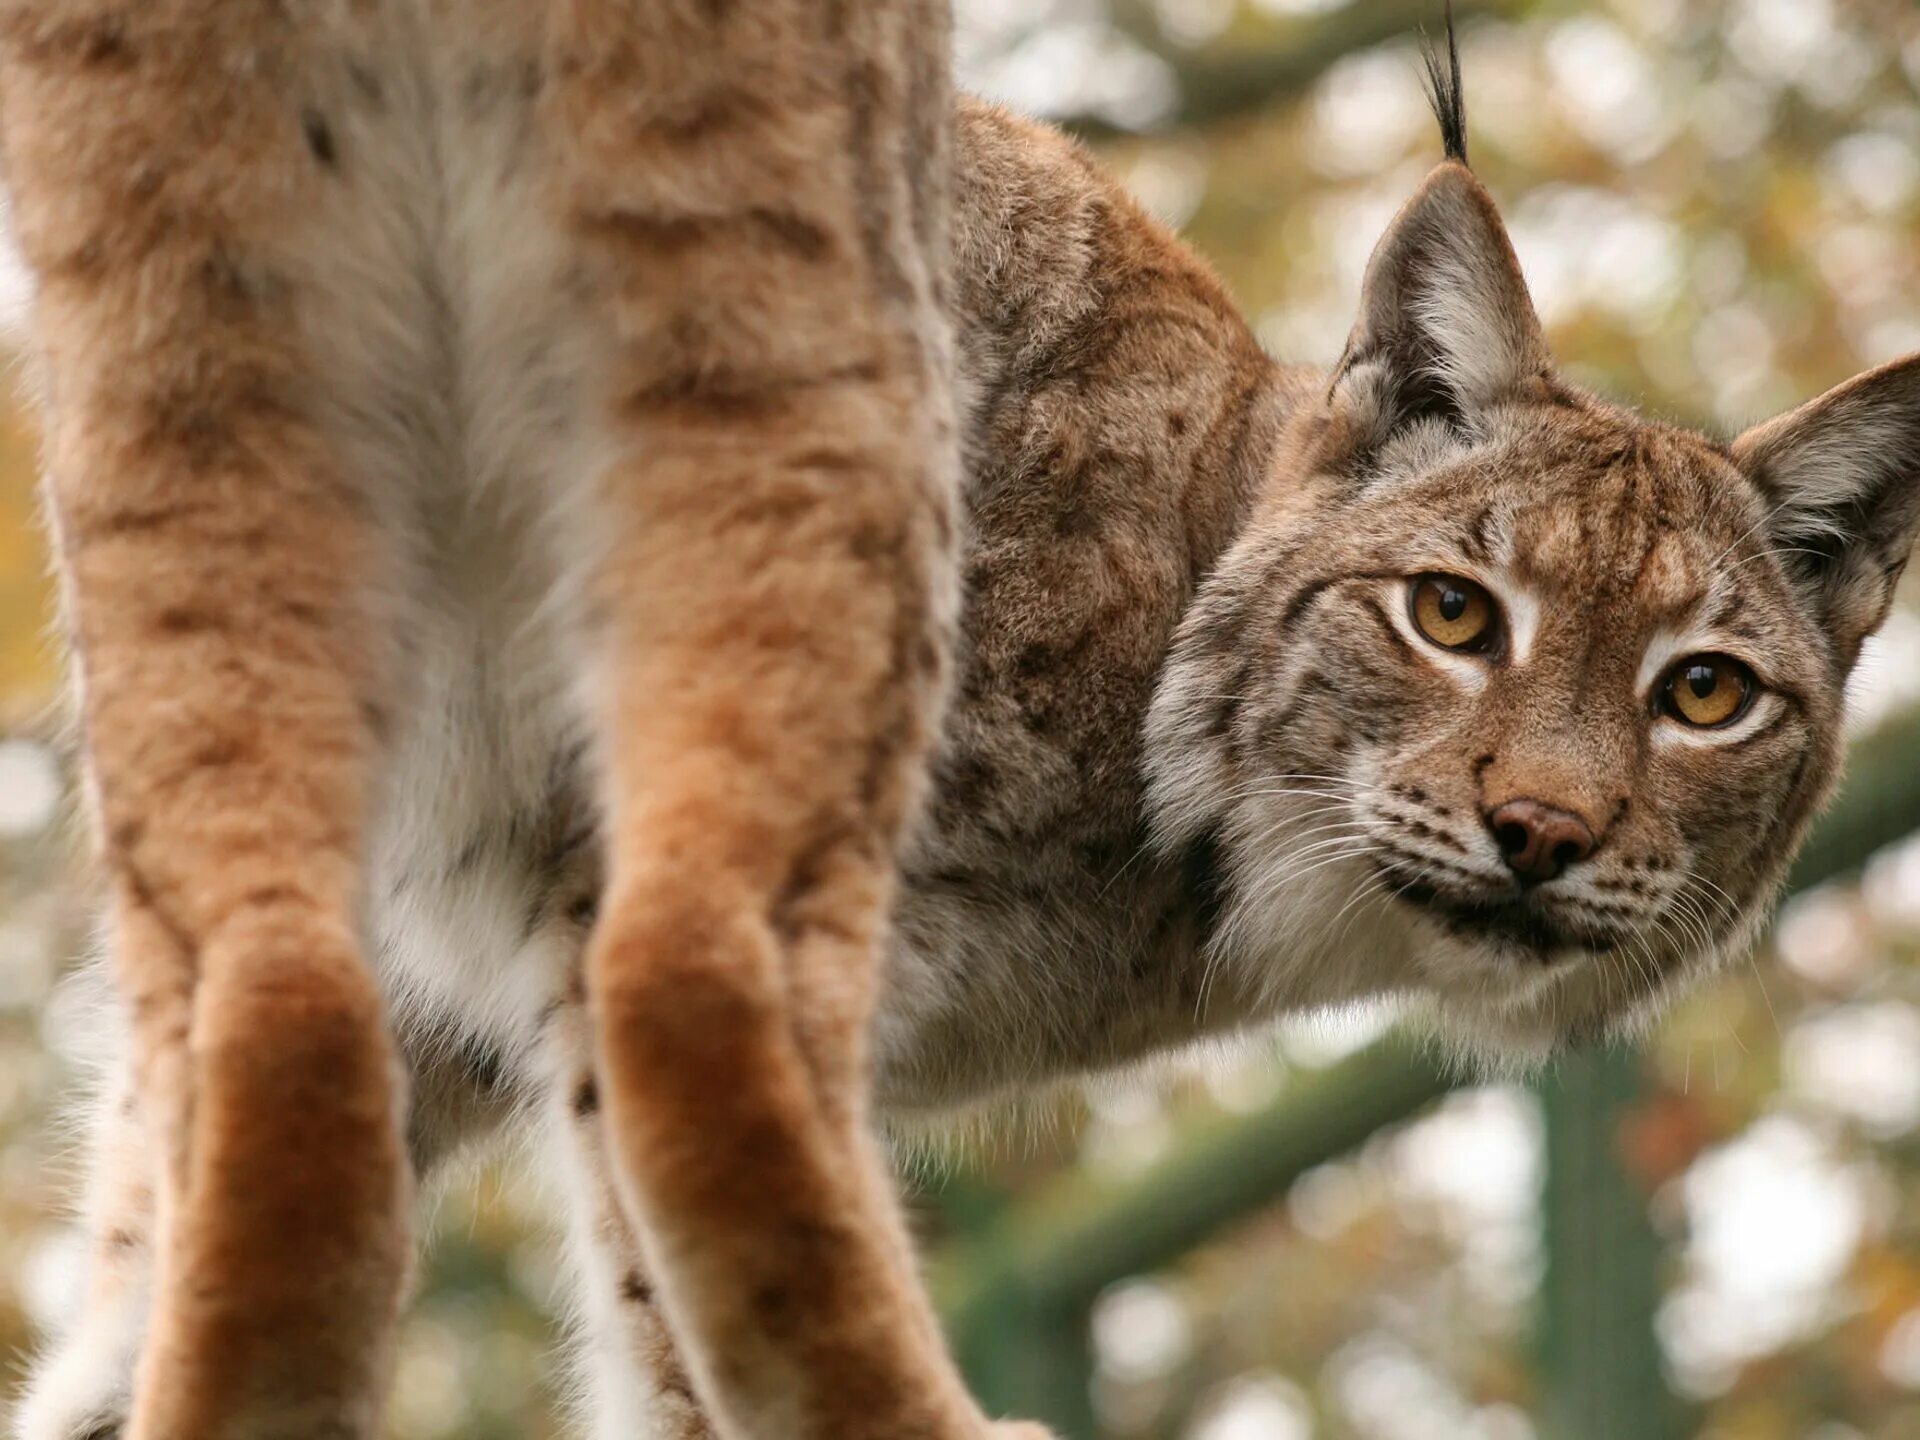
1454 613
1707 690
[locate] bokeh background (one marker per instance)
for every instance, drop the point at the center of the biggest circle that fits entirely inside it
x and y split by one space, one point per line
1319 1235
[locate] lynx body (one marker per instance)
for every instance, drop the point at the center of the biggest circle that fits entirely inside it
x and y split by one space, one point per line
1430 677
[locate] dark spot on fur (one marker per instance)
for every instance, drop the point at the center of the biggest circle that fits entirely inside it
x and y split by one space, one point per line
1221 721
320 140
121 1238
233 292
669 236
483 1063
217 752
926 656
1033 661
470 856
777 1309
93 42
1176 423
876 544
834 460
480 89
186 620
1479 537
301 613
675 1384
366 80
717 394
634 1289
1071 521
377 719
788 912
586 1097
796 235
1205 883
971 781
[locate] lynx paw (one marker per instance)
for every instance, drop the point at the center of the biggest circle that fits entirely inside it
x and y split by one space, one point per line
42 1423
76 1397
1019 1430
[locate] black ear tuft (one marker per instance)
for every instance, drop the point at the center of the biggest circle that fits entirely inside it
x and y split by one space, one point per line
1446 94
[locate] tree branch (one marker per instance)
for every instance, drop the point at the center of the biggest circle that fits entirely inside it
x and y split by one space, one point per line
1222 80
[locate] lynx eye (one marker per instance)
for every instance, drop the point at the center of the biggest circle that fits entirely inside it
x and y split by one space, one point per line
1705 691
1453 613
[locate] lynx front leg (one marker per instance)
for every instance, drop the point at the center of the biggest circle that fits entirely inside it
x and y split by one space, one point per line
83 1389
760 189
217 561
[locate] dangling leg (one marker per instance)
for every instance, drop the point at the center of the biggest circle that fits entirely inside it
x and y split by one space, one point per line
83 1388
634 1382
218 564
760 190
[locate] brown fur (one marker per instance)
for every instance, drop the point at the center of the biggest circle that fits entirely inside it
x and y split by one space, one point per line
775 608
1185 644
214 557
757 197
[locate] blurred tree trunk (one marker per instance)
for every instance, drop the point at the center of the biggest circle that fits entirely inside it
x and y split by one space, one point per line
1602 1377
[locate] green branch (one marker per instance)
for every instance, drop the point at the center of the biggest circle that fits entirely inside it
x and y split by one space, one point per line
1246 73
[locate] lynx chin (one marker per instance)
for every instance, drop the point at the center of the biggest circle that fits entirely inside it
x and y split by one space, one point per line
642 576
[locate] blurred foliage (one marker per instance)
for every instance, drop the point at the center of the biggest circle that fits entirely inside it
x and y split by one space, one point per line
1717 203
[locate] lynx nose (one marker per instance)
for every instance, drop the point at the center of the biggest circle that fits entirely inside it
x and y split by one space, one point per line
1539 841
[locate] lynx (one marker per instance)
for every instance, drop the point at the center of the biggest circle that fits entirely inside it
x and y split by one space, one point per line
501 476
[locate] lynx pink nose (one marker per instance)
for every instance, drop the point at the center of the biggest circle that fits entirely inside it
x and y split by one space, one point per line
1539 841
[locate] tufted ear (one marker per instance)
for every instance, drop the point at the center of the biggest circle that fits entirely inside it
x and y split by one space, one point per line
1446 325
1843 472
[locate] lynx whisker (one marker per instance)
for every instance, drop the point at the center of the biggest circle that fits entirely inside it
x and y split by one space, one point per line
1766 519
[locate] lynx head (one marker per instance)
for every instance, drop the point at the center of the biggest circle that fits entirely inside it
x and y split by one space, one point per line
1506 697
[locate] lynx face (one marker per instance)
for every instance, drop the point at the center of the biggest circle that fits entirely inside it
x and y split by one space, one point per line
1512 700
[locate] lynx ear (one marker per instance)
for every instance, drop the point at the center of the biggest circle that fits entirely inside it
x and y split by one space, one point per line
1446 325
1844 474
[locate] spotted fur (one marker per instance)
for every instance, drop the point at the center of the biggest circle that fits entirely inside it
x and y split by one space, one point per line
634 755
483 437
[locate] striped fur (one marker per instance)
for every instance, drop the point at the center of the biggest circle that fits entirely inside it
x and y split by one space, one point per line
513 620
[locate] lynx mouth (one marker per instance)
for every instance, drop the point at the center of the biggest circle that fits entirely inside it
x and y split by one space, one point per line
1519 920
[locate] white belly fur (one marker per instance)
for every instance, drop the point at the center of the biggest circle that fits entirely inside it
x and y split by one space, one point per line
457 375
